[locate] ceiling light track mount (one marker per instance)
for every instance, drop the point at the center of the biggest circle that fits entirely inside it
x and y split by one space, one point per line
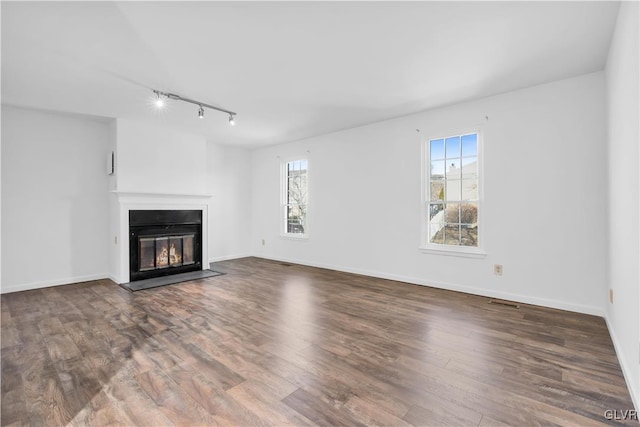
200 105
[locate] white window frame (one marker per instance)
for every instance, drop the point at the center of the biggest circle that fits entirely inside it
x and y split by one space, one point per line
442 249
284 199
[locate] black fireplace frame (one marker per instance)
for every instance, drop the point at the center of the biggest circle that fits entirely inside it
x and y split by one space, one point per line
160 223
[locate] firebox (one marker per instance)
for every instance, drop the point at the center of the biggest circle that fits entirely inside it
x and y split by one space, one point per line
163 242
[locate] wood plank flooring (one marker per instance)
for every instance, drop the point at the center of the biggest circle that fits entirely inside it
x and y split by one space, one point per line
270 344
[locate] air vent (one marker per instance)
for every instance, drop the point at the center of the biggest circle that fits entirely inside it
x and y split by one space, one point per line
503 302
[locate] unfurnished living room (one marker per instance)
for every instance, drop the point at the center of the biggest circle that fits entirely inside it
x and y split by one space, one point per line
320 213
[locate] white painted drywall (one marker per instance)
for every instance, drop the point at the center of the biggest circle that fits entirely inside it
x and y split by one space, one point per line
54 199
156 168
155 159
623 123
229 180
115 272
53 162
544 198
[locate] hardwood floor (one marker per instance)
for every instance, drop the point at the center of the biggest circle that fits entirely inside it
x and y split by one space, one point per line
269 344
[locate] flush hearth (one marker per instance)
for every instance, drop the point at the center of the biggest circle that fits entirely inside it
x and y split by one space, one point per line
164 242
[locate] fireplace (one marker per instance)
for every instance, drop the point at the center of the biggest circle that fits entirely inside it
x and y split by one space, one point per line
164 242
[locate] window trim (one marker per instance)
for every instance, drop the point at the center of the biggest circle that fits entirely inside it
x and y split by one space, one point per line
425 159
282 216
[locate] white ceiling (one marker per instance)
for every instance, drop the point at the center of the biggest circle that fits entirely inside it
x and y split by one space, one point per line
290 70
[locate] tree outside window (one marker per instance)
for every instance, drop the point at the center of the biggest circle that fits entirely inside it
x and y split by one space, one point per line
295 196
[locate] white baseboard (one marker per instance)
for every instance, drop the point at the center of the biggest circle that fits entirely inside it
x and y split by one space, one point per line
524 299
48 283
228 257
624 365
596 311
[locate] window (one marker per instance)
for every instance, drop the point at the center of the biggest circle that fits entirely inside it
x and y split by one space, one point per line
294 197
452 193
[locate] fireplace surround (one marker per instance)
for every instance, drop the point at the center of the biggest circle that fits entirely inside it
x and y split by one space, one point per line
164 242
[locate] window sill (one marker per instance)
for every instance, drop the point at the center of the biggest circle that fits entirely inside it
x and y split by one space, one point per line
298 237
454 251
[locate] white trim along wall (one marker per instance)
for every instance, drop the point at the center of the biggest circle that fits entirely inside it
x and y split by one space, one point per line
623 193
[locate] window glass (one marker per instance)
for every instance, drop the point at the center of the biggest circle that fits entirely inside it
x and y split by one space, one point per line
452 195
295 197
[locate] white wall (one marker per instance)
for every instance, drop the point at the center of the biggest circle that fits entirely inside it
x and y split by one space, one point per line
114 207
147 156
544 207
151 159
623 118
229 179
154 159
54 199
55 190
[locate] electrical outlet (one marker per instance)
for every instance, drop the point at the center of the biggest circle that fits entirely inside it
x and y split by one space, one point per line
497 269
263 242
611 296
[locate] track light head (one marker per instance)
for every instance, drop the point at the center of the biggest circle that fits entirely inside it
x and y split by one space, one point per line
231 120
159 101
201 112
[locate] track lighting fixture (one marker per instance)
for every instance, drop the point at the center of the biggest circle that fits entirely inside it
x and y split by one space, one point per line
160 103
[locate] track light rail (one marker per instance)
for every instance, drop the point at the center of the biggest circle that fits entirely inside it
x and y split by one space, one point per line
192 101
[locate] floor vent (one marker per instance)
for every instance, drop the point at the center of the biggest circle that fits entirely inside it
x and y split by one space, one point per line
503 302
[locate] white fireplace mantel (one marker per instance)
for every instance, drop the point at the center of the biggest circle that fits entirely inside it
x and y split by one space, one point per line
153 195
126 201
